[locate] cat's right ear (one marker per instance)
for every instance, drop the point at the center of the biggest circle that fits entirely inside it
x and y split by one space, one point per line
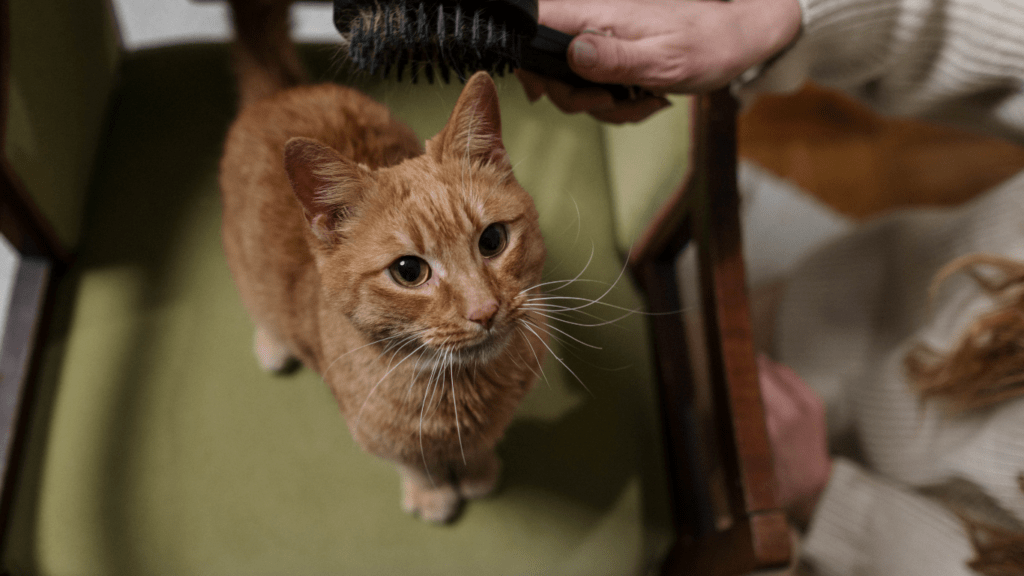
326 184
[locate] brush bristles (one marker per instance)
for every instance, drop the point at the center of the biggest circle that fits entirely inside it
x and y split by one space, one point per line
432 41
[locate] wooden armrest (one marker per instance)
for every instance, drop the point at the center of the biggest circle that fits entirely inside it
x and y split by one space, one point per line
753 534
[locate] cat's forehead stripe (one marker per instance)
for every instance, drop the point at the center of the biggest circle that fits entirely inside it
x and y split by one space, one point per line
412 237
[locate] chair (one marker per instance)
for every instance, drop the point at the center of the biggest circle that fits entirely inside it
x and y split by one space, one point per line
148 441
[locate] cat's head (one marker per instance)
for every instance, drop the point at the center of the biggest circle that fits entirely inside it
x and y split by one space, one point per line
438 251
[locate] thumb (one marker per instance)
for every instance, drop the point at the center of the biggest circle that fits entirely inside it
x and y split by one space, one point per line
609 60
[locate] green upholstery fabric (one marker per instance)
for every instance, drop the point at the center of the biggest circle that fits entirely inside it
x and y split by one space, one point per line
157 445
647 162
64 56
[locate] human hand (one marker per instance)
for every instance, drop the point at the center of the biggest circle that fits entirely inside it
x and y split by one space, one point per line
664 46
795 417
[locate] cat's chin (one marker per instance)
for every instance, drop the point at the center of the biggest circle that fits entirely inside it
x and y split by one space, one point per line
486 351
473 352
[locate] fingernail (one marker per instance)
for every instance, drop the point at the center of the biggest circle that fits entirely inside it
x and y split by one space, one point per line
584 54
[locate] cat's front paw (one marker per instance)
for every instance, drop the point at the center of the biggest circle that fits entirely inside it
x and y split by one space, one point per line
480 478
272 355
437 504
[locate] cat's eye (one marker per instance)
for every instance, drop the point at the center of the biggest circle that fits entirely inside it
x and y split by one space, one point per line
493 240
410 271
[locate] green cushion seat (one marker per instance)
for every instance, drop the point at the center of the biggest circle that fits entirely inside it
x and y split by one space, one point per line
157 445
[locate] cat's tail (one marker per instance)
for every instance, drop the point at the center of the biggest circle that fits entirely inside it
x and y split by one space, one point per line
265 58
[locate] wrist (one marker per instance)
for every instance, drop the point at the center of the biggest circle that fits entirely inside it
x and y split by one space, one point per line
768 26
802 510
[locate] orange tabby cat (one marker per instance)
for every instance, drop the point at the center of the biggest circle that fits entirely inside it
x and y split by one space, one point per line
398 274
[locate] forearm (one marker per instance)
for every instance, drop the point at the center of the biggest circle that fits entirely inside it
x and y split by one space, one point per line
866 526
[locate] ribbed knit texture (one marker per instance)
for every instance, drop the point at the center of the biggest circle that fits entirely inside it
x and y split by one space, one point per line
849 314
957 61
852 310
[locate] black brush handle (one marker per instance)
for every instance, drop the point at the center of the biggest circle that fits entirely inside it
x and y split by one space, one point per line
546 55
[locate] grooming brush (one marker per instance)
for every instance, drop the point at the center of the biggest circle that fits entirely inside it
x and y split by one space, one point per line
443 38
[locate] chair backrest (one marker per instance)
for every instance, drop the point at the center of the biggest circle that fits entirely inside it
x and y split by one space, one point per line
719 458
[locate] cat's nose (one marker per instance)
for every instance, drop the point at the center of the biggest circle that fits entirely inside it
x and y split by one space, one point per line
484 313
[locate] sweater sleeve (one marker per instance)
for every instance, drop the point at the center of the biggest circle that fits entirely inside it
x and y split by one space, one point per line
867 526
960 61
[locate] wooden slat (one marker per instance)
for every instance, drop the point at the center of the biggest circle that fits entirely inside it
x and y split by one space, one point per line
707 212
731 312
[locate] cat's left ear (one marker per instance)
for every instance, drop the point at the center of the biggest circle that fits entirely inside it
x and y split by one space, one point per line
473 131
327 185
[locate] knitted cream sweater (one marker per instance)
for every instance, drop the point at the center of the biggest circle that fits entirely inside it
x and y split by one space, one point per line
956 61
852 310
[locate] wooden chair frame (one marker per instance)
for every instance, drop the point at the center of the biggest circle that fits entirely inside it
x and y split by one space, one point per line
705 212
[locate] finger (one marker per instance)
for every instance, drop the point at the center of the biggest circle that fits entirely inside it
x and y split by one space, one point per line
572 100
796 390
569 18
766 380
772 386
799 390
532 84
626 111
611 60
788 381
779 406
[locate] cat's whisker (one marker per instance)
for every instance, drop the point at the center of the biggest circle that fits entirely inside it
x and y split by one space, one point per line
555 317
516 165
451 370
622 271
579 222
568 347
535 357
570 281
415 378
571 348
557 310
564 282
359 416
529 304
458 427
575 240
512 169
590 301
447 366
443 357
435 363
549 328
335 361
423 408
395 346
556 357
412 380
